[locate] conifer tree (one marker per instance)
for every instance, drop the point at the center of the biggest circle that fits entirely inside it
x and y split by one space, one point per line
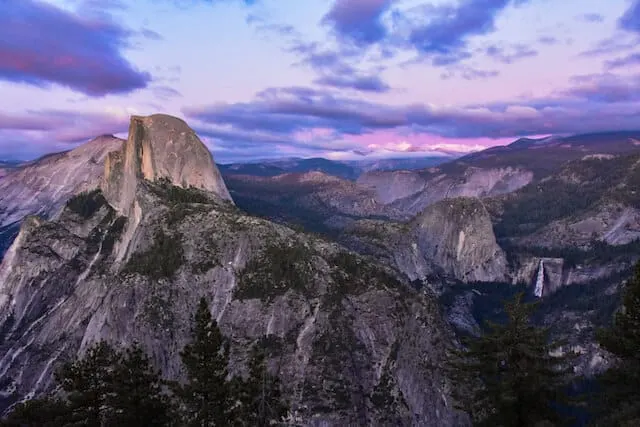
44 412
260 396
88 383
205 397
620 396
138 399
103 388
510 376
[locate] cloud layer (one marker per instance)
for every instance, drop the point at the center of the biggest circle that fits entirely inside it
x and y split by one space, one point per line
41 44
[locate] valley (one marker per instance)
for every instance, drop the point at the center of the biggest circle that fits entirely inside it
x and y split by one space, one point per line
560 215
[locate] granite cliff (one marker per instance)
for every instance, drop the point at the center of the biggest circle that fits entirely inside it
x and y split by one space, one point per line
451 239
412 191
43 186
128 260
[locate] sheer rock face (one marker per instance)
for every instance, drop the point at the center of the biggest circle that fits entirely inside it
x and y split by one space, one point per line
453 238
458 235
160 147
412 191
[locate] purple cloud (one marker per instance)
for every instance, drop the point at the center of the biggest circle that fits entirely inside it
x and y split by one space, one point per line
591 17
611 45
40 45
358 21
595 103
510 54
625 61
548 40
315 121
37 132
606 88
630 20
449 27
151 35
361 83
335 71
165 92
22 122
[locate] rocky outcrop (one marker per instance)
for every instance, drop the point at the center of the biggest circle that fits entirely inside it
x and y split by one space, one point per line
160 147
412 191
613 223
336 331
42 187
457 236
451 239
344 332
393 185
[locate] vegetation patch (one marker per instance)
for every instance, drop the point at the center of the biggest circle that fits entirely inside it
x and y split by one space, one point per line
276 270
98 234
177 195
178 212
163 258
6 327
86 204
157 309
340 356
387 398
579 186
273 345
353 275
113 234
590 298
210 257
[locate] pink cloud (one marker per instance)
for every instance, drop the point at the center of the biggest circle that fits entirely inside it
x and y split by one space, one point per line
414 142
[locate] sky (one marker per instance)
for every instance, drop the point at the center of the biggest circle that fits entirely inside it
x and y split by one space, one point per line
341 79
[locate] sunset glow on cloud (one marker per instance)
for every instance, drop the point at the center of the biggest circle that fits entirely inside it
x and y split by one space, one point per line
343 79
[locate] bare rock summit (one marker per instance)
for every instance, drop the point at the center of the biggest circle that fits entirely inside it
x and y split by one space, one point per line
160 147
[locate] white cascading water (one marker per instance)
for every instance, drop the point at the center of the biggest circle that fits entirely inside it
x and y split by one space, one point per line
539 280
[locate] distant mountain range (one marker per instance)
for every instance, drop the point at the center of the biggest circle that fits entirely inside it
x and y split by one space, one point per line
350 170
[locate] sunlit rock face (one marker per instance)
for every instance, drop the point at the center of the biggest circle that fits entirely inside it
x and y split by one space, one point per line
43 186
160 147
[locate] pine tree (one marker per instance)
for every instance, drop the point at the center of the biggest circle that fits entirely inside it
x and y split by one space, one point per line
138 399
510 376
621 383
88 383
205 397
260 396
44 412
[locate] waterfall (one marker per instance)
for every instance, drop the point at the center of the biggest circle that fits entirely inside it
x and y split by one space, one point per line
539 280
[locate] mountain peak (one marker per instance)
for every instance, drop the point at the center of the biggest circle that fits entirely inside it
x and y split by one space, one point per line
160 147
